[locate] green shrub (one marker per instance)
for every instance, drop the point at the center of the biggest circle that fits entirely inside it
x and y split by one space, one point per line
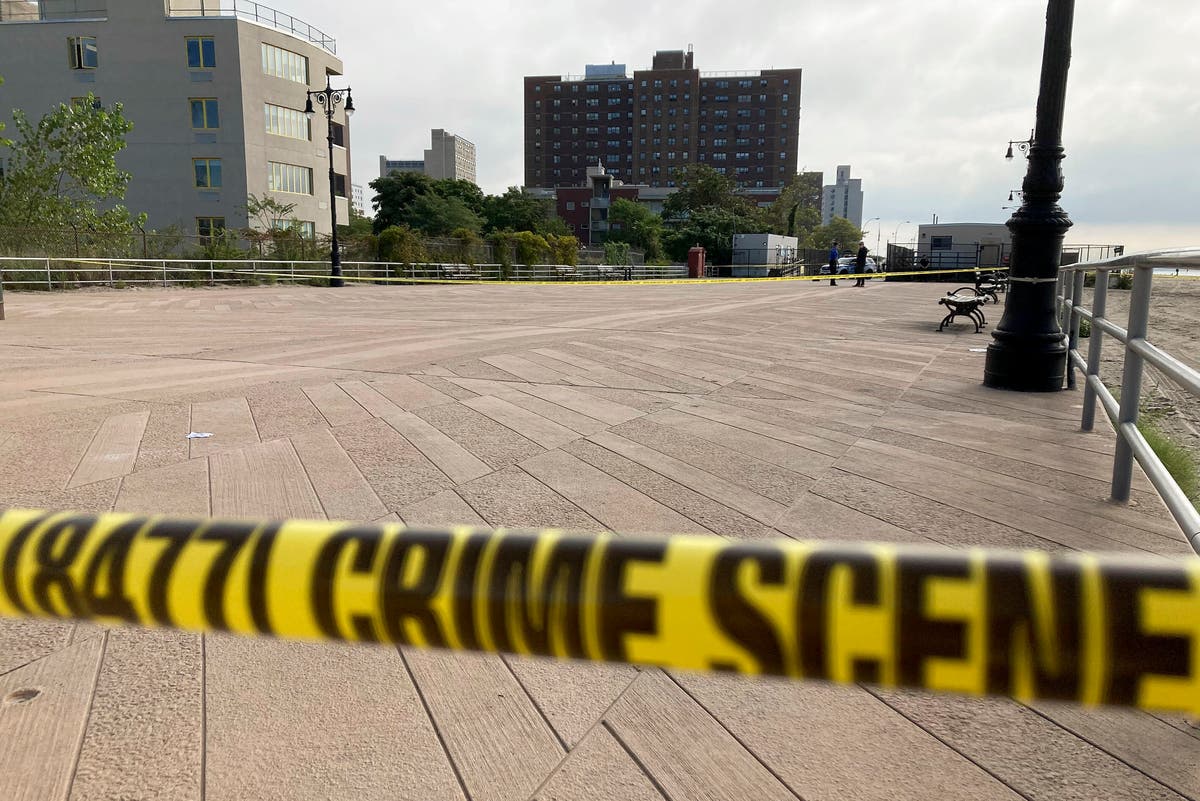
1085 329
1179 461
399 243
1124 281
531 248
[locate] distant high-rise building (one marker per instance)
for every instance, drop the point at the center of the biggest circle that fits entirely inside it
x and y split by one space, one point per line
645 127
843 199
359 198
449 156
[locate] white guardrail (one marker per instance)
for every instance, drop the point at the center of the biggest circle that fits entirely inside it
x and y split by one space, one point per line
55 273
1131 444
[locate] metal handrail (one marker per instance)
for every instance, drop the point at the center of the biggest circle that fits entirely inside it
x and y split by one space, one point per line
254 12
88 271
1131 443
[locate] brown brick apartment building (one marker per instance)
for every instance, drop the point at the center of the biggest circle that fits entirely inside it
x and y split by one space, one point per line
642 129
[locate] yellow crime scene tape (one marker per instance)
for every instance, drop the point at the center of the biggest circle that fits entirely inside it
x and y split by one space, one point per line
605 282
1076 627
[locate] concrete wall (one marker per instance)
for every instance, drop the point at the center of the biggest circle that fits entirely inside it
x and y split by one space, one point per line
143 65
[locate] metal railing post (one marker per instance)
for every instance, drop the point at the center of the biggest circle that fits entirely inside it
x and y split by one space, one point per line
49 282
1073 323
164 266
1099 309
1131 382
212 275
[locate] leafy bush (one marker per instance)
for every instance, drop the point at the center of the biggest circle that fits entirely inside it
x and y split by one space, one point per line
563 249
531 248
399 243
616 253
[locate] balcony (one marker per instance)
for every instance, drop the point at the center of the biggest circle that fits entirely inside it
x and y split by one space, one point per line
252 12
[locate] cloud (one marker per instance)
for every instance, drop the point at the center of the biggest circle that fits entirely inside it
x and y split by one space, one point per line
920 97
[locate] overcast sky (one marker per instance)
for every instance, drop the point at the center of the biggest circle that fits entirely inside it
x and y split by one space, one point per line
920 97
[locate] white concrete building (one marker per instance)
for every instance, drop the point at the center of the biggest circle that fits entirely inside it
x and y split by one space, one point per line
216 98
951 245
843 199
448 156
359 199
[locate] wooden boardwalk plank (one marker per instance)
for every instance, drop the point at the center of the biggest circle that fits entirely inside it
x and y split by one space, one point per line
265 481
341 488
750 503
614 503
459 464
338 407
369 398
590 405
181 489
145 737
300 721
500 744
230 423
1137 739
687 752
114 450
408 393
530 425
598 769
44 711
838 742
1030 754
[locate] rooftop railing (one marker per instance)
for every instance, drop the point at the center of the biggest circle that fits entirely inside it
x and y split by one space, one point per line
62 11
1123 412
253 12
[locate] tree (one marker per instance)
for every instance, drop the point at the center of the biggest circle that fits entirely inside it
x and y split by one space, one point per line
706 211
711 228
462 190
394 195
702 187
798 210
63 172
517 211
841 230
636 224
435 215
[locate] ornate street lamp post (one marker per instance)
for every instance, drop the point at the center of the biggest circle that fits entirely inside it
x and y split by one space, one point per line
1029 353
329 99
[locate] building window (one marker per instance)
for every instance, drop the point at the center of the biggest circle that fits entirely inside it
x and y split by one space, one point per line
338 132
284 64
290 178
91 102
941 242
208 173
208 227
287 122
205 113
339 185
84 53
201 52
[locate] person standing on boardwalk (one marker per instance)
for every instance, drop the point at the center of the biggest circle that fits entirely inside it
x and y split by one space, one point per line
860 265
833 263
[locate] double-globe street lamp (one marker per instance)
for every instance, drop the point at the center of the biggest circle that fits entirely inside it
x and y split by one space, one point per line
329 99
1029 351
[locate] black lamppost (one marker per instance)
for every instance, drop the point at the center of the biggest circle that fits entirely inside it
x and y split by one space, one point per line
1029 353
329 99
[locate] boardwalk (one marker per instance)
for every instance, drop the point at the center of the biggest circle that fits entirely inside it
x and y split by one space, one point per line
736 410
